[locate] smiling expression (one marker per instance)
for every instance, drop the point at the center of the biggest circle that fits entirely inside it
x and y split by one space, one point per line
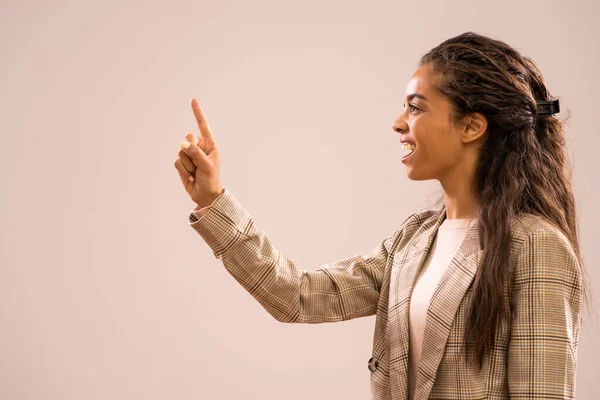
426 124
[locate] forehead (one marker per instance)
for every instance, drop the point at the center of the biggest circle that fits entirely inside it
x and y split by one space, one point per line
424 81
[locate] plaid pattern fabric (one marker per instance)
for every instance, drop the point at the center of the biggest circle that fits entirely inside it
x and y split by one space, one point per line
535 353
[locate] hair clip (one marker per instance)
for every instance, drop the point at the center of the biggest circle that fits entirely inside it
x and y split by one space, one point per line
545 108
548 107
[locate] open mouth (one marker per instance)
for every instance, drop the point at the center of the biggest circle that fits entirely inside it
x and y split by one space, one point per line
409 149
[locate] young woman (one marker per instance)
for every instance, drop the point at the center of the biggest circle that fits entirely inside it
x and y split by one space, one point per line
480 298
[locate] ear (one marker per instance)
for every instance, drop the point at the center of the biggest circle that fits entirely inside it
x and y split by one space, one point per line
475 126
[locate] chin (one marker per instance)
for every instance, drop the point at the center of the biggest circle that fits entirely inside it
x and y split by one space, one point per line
416 175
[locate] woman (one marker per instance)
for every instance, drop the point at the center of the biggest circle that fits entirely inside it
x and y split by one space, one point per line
480 298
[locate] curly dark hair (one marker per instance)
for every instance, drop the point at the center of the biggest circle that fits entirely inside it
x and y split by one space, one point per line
522 168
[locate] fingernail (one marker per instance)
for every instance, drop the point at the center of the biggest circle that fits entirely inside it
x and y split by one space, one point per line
184 144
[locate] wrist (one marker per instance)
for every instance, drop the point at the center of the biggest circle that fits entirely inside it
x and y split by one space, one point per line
210 200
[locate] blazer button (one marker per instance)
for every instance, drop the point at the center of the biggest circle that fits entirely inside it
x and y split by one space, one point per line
373 364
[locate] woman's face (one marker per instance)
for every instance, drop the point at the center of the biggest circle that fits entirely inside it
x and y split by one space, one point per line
426 123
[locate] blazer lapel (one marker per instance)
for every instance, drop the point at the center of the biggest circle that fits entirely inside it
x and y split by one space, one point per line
405 269
444 304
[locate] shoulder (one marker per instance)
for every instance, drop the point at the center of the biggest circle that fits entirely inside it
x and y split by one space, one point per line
421 219
541 249
415 224
529 228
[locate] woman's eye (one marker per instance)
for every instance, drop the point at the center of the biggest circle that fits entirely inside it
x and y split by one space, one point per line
412 108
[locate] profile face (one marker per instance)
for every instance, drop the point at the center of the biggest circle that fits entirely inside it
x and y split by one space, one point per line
426 125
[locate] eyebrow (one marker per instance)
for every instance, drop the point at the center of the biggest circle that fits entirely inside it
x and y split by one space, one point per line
419 95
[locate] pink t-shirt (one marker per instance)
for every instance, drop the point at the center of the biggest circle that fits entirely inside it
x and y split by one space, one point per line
448 239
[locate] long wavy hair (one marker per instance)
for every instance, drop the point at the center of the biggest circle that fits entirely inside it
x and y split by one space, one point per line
521 169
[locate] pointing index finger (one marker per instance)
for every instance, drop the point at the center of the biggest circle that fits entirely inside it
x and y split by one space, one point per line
205 132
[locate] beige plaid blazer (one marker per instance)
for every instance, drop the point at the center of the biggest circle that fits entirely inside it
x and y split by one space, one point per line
535 354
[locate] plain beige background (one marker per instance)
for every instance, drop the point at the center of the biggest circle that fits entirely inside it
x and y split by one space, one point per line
106 293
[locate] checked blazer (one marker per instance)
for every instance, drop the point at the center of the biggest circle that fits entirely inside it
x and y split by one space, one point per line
535 351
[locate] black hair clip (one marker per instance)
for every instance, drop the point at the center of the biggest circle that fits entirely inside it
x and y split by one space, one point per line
548 107
545 108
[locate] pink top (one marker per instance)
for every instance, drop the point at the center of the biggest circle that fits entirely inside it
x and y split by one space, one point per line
448 239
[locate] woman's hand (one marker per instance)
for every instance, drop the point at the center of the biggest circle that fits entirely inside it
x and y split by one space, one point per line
198 163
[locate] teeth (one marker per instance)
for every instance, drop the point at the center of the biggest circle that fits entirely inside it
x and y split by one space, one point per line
408 146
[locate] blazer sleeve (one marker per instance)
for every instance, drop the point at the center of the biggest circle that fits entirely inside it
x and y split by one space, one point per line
336 291
545 319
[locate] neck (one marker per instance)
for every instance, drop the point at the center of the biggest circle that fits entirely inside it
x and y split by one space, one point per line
459 194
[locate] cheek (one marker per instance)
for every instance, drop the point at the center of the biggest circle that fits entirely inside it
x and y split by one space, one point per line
436 147
434 140
421 133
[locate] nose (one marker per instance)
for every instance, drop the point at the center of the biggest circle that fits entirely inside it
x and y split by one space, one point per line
400 125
